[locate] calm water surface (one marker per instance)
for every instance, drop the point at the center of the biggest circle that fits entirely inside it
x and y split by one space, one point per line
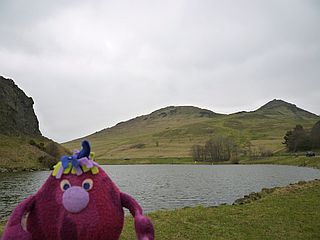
169 186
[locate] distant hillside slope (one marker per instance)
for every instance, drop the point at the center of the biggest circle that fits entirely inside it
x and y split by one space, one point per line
21 144
171 131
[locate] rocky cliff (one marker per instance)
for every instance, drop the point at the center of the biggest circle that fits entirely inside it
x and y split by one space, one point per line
22 147
16 110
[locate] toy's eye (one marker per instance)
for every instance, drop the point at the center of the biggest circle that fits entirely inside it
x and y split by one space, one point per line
87 184
65 184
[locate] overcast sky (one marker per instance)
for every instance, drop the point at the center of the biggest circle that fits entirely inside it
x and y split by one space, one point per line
90 64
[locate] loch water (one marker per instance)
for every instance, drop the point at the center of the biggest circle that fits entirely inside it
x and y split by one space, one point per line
169 186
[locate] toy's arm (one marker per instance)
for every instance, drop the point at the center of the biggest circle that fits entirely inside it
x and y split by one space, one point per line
143 225
16 226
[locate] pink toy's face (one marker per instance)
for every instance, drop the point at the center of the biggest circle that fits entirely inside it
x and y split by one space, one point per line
77 193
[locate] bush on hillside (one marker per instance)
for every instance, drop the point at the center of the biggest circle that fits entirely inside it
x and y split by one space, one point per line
215 150
138 145
264 152
315 135
52 149
297 140
47 161
40 145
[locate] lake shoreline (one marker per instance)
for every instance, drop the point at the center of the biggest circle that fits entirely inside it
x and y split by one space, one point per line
215 215
250 217
13 170
300 161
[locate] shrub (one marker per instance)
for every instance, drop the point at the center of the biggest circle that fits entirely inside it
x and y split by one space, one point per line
47 161
139 145
32 142
265 152
216 149
297 140
52 149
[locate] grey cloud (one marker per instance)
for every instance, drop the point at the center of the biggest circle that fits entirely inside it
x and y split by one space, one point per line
118 59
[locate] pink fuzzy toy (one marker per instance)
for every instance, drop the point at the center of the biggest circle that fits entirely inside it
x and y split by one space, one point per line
79 201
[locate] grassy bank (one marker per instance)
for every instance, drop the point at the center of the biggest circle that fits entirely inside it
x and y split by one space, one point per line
172 160
301 161
291 212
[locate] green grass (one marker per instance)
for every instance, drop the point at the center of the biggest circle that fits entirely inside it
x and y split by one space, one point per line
300 161
146 161
168 160
292 160
292 212
165 135
17 153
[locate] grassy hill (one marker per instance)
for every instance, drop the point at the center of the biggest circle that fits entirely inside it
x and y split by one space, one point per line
22 145
171 131
27 152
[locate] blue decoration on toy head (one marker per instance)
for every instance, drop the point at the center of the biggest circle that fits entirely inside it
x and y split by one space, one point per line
65 160
78 163
85 151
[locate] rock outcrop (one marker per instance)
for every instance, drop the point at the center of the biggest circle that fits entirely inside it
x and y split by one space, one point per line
22 146
16 110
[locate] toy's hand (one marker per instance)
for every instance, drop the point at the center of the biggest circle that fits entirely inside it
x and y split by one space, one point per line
143 225
144 228
16 227
16 232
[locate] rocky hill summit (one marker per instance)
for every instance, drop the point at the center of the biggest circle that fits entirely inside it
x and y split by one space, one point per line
16 110
280 107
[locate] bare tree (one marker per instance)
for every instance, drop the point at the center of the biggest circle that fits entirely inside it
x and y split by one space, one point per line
215 150
198 153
